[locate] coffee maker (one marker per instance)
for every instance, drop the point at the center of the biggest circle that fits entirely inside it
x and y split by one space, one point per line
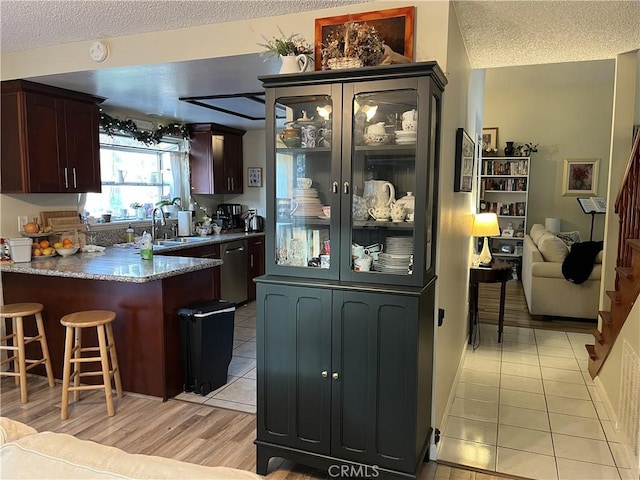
233 214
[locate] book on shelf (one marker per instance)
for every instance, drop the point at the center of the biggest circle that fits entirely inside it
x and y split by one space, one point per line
505 167
593 204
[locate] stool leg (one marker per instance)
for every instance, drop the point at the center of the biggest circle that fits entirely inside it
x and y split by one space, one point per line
14 343
104 358
45 349
114 360
22 361
66 373
77 365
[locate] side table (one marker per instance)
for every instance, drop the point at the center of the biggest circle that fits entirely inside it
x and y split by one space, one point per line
498 271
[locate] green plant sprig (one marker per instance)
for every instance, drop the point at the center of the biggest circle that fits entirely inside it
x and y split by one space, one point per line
293 44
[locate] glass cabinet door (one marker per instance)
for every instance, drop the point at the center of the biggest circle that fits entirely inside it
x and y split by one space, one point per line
306 187
385 130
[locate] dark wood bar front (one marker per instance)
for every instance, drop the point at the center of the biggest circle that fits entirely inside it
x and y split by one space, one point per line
146 327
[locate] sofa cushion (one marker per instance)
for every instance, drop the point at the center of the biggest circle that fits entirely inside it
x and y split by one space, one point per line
536 232
552 248
569 238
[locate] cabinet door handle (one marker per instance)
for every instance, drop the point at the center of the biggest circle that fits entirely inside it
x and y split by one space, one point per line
346 188
325 374
335 187
75 180
233 184
66 178
251 260
335 375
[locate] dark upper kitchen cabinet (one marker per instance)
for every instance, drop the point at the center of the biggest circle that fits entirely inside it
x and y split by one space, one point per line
49 139
216 159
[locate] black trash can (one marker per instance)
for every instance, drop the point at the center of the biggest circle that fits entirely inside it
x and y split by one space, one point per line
206 333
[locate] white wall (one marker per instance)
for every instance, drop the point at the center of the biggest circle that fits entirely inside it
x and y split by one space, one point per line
566 109
461 103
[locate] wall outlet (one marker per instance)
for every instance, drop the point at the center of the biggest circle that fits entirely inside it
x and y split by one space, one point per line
22 221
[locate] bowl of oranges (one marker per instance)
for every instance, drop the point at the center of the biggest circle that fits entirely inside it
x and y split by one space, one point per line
65 247
42 249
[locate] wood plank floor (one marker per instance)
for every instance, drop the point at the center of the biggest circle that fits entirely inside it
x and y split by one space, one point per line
516 313
184 431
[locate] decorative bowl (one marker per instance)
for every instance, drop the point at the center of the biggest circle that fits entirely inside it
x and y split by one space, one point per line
65 252
377 138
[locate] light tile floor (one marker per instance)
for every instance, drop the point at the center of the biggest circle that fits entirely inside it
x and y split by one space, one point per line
528 407
239 393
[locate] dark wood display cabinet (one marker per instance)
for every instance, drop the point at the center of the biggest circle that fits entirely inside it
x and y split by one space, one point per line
216 159
345 312
50 139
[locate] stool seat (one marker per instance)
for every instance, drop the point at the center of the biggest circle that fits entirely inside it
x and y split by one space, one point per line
102 321
16 342
88 318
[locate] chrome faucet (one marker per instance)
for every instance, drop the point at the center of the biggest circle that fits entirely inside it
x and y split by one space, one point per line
163 222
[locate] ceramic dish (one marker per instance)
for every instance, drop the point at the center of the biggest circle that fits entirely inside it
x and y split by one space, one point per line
41 257
377 138
35 235
65 252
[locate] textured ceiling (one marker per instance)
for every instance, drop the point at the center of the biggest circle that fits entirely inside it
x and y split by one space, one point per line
495 34
508 33
28 24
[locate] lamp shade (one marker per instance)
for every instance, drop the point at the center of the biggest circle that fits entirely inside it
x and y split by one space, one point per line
485 225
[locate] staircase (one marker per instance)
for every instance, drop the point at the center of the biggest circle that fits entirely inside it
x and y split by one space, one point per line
627 284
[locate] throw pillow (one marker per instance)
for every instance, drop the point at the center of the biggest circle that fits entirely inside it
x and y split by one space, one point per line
569 238
536 232
552 248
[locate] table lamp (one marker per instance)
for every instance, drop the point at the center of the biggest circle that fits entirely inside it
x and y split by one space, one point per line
485 225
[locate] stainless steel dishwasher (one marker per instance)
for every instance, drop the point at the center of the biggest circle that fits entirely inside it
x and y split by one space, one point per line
233 272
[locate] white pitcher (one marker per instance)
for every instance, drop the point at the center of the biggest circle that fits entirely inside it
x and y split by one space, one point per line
383 192
294 63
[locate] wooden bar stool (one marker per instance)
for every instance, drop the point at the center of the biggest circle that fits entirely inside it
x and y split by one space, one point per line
16 312
75 322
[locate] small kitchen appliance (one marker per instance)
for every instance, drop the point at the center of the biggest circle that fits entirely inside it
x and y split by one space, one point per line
233 213
253 222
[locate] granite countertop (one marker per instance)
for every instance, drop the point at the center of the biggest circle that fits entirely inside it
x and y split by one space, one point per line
125 264
114 264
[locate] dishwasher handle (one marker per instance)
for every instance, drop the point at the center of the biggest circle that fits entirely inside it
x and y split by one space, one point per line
232 250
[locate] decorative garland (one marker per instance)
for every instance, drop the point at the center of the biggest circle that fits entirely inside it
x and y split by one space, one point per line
112 126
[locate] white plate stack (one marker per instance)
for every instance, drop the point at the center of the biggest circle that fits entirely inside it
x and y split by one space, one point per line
308 202
406 137
397 257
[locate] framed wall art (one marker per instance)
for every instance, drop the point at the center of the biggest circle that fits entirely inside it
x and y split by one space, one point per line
465 156
394 26
489 140
254 177
580 176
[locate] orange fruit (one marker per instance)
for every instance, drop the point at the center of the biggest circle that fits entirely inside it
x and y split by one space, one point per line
44 243
31 227
37 252
66 242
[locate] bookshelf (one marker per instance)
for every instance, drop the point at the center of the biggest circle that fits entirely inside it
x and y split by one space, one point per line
504 189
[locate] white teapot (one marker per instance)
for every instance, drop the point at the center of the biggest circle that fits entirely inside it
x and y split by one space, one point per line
381 213
376 128
398 212
410 115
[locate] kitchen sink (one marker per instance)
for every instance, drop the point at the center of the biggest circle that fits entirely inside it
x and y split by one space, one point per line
172 242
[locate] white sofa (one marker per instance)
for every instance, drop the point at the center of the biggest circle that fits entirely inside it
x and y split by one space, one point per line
25 453
546 290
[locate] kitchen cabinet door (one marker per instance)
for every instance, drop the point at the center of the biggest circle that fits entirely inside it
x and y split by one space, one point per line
82 147
256 264
50 142
216 159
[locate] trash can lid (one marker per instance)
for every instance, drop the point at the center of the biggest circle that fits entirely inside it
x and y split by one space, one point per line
207 308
